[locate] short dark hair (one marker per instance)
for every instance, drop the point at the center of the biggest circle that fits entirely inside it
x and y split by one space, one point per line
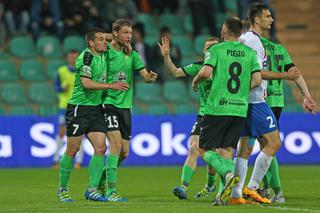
90 35
246 24
234 26
140 28
116 26
164 29
256 10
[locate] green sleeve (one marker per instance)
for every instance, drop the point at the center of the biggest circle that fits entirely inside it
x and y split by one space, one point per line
211 56
255 67
83 65
137 62
288 63
192 69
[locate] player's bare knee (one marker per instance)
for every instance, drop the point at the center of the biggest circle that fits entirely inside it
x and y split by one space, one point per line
194 150
100 149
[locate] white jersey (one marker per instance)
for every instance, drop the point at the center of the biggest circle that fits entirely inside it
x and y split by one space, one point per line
252 40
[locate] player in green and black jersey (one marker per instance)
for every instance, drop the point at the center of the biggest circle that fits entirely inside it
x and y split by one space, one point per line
190 164
117 104
84 114
234 70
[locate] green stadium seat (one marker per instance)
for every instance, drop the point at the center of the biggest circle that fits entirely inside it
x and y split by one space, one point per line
185 109
4 55
220 18
151 40
2 111
149 24
47 110
187 23
73 43
13 93
149 93
21 110
137 109
184 44
187 60
22 47
172 22
158 109
31 70
175 92
199 43
42 93
232 6
53 66
293 107
8 71
49 46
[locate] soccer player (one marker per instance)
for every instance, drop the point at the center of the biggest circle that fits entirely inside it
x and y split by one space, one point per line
190 164
64 87
260 121
117 104
234 70
279 60
84 114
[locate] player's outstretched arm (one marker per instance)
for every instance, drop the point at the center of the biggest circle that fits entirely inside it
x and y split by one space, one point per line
255 80
170 66
308 102
93 85
203 74
148 77
290 75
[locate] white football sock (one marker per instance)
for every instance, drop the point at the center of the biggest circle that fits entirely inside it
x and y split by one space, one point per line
261 167
240 168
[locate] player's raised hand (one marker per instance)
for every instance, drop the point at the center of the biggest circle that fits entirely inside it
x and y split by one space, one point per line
127 48
153 76
123 86
293 74
309 104
164 46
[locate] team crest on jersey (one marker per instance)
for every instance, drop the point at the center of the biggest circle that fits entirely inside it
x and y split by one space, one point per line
121 76
86 70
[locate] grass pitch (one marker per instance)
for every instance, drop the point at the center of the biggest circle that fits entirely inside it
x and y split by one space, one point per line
148 190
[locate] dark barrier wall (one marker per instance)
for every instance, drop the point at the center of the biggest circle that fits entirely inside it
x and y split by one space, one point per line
156 140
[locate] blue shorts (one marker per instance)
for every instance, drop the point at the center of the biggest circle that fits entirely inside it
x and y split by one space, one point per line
260 121
61 117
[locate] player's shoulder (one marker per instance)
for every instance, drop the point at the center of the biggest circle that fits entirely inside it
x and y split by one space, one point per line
87 57
250 37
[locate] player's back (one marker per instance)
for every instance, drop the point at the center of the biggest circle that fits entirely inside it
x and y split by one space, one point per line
233 65
252 40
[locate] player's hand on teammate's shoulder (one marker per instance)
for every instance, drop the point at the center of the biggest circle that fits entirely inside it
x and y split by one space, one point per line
309 104
164 46
293 74
123 86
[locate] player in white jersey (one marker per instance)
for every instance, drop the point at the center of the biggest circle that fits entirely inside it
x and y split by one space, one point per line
260 120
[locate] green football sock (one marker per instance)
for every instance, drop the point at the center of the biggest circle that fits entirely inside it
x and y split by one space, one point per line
95 170
221 184
275 179
112 172
211 179
217 162
267 179
66 165
187 173
103 180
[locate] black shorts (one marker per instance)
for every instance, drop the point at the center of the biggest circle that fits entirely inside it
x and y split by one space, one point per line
82 120
118 119
197 125
277 112
220 131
